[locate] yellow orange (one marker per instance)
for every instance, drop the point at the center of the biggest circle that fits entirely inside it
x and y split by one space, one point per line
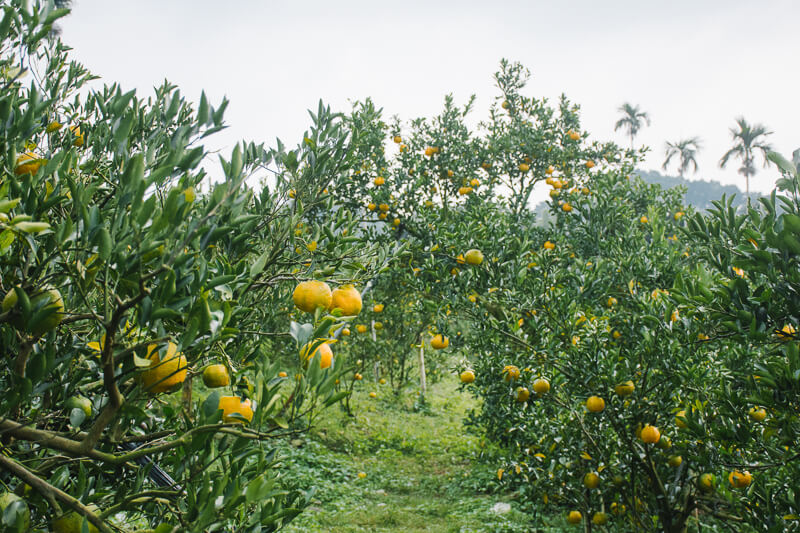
309 295
234 405
595 404
439 342
348 299
163 374
216 376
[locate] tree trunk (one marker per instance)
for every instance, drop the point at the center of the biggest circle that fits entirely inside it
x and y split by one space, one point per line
422 383
377 367
747 189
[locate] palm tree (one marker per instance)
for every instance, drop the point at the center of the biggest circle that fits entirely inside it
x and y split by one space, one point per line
745 142
632 119
686 150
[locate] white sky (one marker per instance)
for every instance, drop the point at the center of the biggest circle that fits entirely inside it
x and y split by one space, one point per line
693 65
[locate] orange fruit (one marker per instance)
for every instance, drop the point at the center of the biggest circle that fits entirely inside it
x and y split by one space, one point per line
510 373
600 519
590 164
625 389
541 386
595 404
463 191
706 482
373 394
233 405
591 480
361 328
757 414
574 517
574 135
72 522
739 480
358 377
524 167
467 376
282 374
474 257
549 245
29 163
163 374
397 139
439 342
348 299
787 332
324 351
675 461
76 131
47 298
309 295
377 308
379 181
216 376
566 207
650 434
523 394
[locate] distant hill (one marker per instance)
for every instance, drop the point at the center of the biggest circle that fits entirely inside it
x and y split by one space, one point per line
699 193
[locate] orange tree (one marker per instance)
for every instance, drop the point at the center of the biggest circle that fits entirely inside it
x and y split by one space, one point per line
582 357
746 297
128 273
612 365
442 188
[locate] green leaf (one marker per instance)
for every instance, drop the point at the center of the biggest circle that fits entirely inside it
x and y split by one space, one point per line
8 205
336 397
77 417
6 239
211 404
141 362
301 332
784 164
280 422
259 265
32 227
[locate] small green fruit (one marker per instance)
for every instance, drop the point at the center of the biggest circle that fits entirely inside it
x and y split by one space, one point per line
23 514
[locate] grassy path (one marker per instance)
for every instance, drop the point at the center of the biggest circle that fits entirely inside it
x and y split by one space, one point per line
419 464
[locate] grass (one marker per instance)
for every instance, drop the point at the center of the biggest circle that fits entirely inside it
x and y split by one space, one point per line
422 472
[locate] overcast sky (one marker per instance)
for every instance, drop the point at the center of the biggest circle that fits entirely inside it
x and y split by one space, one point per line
694 66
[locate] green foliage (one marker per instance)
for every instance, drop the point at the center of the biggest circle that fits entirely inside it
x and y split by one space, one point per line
125 268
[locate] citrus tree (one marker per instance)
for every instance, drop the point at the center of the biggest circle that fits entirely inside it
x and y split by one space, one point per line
128 274
745 296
